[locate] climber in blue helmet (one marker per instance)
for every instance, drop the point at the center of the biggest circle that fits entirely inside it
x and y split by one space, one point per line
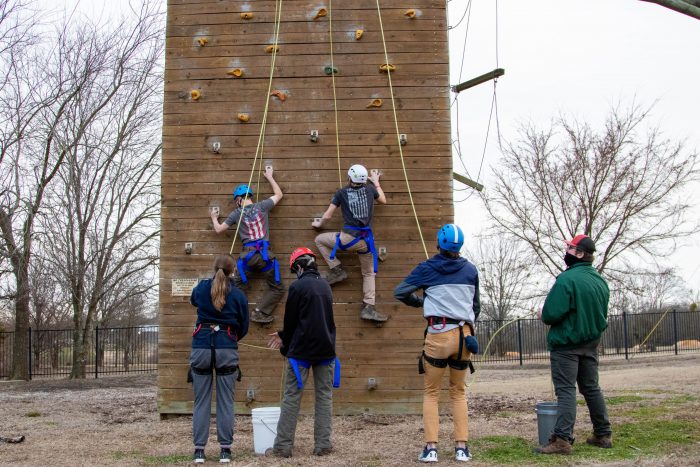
256 254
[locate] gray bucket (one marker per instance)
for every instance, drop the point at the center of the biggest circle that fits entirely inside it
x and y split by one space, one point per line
546 419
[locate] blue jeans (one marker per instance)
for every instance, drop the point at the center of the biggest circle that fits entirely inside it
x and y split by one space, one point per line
569 367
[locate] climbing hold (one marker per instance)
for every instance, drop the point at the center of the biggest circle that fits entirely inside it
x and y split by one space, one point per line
202 41
387 67
237 72
314 136
279 95
321 13
272 48
195 94
375 103
358 34
410 13
247 15
243 117
330 70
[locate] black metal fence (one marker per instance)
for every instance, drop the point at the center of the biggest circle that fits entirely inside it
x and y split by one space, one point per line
110 351
135 349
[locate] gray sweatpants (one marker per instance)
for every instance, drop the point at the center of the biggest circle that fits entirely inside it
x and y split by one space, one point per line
202 386
323 407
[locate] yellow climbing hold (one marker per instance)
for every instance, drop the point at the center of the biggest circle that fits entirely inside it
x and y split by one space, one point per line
243 117
247 15
272 48
202 41
321 13
237 72
387 67
279 95
375 103
195 94
358 34
410 13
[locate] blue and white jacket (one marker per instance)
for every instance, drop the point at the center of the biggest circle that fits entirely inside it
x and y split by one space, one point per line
450 290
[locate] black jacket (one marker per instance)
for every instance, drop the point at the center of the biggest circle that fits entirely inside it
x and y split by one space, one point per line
309 328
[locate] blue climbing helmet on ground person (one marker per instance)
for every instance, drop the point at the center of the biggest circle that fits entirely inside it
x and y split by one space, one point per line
242 190
450 237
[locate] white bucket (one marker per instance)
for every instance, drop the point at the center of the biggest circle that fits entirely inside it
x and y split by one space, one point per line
264 427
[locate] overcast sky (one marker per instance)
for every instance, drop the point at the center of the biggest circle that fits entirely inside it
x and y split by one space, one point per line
572 57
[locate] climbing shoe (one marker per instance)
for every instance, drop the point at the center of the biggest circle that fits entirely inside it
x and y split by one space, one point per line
257 316
600 441
335 275
370 313
428 455
556 445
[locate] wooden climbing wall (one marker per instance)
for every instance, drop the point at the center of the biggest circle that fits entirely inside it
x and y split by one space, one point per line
206 41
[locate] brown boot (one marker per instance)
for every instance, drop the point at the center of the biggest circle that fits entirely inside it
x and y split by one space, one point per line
556 445
600 441
258 316
335 275
369 313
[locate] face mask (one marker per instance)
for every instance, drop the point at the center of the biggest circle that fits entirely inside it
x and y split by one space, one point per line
570 259
299 272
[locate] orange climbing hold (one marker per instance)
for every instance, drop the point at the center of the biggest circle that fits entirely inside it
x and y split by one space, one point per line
243 117
410 13
247 15
358 34
237 72
321 13
375 103
195 94
387 67
279 95
202 41
272 48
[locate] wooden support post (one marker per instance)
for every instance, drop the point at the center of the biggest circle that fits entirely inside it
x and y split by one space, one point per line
467 181
479 79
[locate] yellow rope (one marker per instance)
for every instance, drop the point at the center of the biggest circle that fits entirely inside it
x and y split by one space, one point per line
335 100
258 151
398 134
652 330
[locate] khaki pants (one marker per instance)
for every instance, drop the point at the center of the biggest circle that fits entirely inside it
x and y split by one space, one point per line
445 345
325 243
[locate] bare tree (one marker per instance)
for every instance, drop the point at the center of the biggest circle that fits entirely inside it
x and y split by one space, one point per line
623 189
109 184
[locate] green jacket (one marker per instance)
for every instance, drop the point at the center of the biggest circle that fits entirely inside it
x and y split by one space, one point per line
576 308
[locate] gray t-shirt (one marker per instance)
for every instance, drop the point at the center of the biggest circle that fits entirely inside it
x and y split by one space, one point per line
357 205
255 223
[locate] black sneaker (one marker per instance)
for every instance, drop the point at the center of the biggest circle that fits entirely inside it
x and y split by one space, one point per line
225 456
198 456
335 275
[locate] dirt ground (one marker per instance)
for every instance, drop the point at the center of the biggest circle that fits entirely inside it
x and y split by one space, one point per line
113 421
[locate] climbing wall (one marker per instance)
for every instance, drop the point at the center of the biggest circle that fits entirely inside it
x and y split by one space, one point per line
218 81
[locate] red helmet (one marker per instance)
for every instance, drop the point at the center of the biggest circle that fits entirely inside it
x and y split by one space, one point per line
299 252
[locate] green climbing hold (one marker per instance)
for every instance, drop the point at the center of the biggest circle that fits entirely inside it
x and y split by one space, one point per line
330 70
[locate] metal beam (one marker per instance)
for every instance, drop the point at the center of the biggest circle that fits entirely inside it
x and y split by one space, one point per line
467 181
479 79
687 7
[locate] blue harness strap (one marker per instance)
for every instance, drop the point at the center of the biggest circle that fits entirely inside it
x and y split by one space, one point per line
365 234
262 247
307 364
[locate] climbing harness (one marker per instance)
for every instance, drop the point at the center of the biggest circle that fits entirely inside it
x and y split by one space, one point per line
296 363
262 247
454 363
365 234
227 370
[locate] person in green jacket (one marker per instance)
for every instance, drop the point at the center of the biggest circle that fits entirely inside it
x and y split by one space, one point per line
576 308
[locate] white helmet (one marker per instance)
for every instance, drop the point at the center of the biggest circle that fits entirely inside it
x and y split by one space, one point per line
358 174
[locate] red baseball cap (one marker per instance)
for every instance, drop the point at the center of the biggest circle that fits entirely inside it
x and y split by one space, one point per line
582 242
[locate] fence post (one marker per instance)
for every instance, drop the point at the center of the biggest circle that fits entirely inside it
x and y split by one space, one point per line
30 353
675 332
624 333
520 343
97 349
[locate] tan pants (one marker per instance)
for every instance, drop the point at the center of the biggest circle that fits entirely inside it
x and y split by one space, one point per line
325 243
445 345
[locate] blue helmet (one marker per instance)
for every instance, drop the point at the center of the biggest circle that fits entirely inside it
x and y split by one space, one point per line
242 190
450 237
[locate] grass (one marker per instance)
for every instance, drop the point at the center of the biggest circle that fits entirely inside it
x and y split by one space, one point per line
168 460
649 431
32 414
616 400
